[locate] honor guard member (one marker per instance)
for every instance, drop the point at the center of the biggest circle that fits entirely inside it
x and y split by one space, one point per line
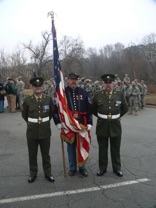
109 106
79 103
37 112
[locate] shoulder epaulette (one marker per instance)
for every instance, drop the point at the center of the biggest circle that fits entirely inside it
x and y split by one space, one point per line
98 92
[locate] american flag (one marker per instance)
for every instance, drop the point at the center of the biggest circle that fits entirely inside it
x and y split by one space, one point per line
70 126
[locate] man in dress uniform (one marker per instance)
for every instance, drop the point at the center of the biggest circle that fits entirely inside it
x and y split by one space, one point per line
79 104
37 112
109 106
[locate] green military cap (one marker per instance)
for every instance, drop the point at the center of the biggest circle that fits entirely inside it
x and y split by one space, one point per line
108 78
73 75
37 81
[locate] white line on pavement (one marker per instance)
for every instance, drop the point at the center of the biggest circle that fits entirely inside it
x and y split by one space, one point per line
62 193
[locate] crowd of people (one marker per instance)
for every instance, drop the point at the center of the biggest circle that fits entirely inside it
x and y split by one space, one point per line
13 89
134 91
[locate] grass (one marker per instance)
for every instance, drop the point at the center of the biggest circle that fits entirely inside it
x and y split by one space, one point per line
150 99
28 92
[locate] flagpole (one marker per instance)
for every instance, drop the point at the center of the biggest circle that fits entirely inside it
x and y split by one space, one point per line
63 158
62 142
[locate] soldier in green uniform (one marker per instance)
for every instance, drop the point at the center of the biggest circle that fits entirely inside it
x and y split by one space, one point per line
37 111
109 106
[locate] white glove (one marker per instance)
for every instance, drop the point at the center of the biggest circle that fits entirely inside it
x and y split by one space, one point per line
59 126
89 126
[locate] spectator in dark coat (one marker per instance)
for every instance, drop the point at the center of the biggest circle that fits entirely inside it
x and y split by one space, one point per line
2 96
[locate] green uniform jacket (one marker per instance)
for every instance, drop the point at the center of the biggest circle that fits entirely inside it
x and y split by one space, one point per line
33 109
109 106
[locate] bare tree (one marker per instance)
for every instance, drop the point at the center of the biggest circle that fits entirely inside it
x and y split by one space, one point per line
40 53
138 61
72 54
93 66
149 54
4 73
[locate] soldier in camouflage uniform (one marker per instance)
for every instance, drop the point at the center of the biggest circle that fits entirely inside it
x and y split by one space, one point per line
139 96
51 88
82 82
126 91
119 85
143 93
20 91
126 79
88 87
45 87
97 86
134 98
65 81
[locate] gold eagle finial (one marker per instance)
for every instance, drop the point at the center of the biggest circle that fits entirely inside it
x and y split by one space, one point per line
51 14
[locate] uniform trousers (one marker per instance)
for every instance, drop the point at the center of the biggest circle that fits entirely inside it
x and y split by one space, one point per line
142 101
33 150
115 143
11 102
20 99
134 104
1 106
71 149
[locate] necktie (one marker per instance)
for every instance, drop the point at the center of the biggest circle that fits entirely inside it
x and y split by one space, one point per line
38 99
109 95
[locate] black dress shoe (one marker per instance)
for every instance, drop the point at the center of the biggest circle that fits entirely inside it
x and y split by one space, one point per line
31 179
71 172
83 172
101 172
50 178
118 173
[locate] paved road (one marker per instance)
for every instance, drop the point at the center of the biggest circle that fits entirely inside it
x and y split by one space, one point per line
137 189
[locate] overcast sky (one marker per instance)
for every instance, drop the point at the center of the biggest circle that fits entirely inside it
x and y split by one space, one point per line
97 22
